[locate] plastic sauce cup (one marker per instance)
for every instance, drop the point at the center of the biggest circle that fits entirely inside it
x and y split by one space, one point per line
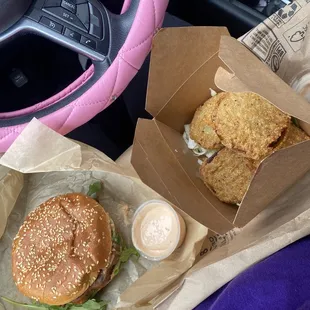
157 230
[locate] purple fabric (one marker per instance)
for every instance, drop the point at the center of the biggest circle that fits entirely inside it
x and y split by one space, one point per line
280 282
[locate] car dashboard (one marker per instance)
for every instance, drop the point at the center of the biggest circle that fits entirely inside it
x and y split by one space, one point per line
238 16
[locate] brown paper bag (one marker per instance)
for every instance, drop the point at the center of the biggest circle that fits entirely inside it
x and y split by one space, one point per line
41 164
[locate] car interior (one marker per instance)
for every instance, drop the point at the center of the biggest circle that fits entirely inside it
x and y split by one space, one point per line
34 68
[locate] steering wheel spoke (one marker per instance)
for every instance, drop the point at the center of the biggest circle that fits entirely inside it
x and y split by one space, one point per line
80 25
84 26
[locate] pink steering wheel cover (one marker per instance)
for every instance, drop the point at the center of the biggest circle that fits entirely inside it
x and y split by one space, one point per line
126 5
50 101
148 20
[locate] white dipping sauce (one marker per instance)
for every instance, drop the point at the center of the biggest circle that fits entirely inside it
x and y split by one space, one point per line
157 230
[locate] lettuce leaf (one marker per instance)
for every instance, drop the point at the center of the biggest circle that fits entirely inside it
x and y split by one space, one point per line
295 122
124 258
125 253
90 304
94 190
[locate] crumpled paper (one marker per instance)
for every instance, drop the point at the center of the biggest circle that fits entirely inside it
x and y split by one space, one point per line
41 164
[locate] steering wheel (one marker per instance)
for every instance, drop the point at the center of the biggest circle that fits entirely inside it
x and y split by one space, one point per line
116 44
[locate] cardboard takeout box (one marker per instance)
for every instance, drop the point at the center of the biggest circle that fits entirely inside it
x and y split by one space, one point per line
185 64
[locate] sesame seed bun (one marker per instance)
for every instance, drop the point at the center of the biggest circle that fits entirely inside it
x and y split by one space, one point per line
61 248
106 275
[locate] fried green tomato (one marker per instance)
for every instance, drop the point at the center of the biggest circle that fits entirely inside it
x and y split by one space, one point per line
292 136
202 126
228 175
248 123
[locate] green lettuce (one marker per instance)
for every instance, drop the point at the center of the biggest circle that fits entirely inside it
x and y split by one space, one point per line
125 253
295 122
94 190
90 304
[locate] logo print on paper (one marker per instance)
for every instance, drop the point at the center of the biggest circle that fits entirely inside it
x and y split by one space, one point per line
296 35
275 63
288 12
263 42
275 57
284 15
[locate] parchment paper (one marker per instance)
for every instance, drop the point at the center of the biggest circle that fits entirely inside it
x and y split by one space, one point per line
56 165
282 42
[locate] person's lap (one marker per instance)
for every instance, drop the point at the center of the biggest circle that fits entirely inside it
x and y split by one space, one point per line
279 282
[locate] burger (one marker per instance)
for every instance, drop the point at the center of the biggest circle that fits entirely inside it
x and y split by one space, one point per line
66 251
